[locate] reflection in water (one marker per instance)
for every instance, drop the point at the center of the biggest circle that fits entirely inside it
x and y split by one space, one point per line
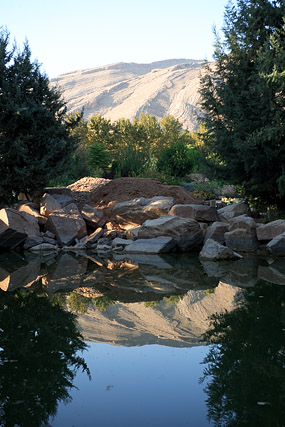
245 366
38 359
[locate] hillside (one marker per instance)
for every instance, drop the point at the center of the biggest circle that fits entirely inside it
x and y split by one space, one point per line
119 90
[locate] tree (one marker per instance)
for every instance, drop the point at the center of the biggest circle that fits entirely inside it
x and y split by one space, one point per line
243 98
35 143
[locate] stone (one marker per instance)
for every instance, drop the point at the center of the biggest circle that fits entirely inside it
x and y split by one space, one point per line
49 240
15 226
92 238
93 217
213 250
242 221
31 209
270 230
276 246
241 239
135 212
156 245
32 241
43 247
274 273
186 231
48 234
216 231
16 271
58 190
63 199
48 205
132 233
201 213
120 243
199 177
233 210
67 224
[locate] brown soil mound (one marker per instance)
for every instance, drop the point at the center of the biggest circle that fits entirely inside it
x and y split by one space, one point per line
123 189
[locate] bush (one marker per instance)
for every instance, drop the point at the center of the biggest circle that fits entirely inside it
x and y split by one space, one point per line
176 160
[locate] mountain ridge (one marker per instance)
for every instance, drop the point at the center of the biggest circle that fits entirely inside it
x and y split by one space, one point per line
124 90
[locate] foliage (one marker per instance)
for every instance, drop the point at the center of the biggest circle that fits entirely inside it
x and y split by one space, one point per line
38 358
243 98
176 160
98 156
35 142
101 303
245 363
78 303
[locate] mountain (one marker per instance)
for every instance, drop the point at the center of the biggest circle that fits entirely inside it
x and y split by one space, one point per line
125 90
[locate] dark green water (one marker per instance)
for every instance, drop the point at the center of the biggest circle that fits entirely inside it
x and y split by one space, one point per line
141 341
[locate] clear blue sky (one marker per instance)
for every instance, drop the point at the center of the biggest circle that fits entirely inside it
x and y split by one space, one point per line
68 35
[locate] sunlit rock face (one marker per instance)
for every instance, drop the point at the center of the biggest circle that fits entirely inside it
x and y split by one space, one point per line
127 89
178 322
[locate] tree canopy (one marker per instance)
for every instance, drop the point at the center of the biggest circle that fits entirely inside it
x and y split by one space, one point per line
244 101
35 143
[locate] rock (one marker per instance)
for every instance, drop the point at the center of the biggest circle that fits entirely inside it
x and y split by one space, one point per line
216 232
201 213
270 230
63 199
16 271
48 234
30 209
213 250
199 177
186 231
156 245
58 190
44 247
90 240
242 221
132 233
137 211
15 226
241 239
92 216
228 190
67 224
49 240
32 241
233 210
277 245
48 205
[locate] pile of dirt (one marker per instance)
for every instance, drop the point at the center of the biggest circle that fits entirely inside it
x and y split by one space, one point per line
123 189
82 188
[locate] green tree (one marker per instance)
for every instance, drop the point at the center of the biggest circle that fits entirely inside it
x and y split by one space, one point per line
243 98
35 143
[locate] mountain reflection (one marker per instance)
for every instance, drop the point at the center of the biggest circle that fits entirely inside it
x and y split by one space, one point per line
38 358
245 365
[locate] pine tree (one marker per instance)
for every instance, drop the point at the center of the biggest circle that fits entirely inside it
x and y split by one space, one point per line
244 101
35 143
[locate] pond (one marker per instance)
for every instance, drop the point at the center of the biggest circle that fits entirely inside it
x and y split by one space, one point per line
141 341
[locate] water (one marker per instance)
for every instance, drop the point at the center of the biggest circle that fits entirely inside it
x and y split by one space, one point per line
144 341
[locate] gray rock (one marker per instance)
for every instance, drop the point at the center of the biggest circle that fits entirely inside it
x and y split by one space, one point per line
213 250
186 231
30 209
277 245
92 216
63 199
201 213
67 224
43 247
90 240
233 210
135 212
120 243
242 221
216 232
48 205
156 245
32 241
274 273
241 239
270 230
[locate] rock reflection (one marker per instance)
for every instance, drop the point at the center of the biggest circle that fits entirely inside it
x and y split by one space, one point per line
245 366
38 358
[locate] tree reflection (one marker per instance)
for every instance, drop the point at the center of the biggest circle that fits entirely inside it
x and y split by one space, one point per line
245 365
38 358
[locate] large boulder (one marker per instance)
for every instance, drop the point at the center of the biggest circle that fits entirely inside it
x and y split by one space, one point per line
241 239
186 231
48 205
242 221
31 210
201 213
216 231
67 224
277 245
233 210
214 251
270 230
135 212
15 226
156 245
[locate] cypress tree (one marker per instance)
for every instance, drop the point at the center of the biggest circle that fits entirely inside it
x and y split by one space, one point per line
35 143
243 99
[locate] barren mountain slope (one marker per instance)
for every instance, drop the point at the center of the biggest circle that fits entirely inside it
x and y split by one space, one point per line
128 89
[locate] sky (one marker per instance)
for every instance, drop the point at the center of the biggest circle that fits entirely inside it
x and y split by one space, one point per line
70 35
